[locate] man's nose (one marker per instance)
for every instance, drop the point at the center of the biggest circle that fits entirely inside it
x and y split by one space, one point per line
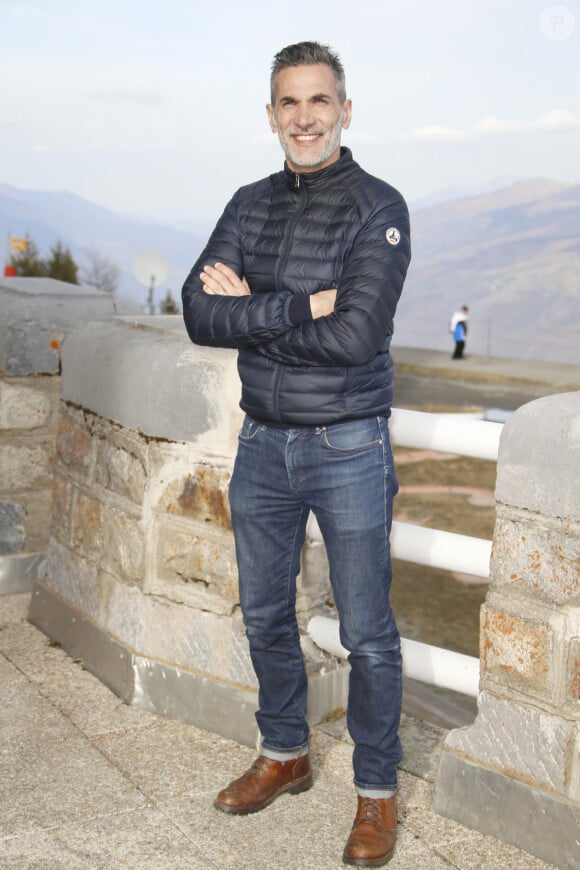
304 115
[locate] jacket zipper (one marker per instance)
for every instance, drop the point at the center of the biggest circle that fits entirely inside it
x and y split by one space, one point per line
279 272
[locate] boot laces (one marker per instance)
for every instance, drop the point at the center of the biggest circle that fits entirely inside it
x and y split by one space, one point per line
369 812
259 765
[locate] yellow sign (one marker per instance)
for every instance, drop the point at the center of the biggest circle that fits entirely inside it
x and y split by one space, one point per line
18 244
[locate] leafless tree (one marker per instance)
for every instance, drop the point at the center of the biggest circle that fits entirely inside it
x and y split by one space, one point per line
100 272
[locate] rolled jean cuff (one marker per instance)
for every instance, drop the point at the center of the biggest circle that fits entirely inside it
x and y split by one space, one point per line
378 794
282 755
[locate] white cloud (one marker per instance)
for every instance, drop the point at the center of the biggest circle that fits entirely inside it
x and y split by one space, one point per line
554 121
490 126
435 133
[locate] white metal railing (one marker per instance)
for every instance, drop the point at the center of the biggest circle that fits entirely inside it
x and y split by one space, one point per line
430 664
447 433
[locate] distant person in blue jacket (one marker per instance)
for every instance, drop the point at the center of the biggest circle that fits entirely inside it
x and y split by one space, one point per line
458 330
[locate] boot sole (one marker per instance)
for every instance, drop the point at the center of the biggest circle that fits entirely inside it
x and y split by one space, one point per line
292 788
365 862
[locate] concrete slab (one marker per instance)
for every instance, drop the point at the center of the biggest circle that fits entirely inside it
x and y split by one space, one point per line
36 315
190 763
131 840
80 792
46 782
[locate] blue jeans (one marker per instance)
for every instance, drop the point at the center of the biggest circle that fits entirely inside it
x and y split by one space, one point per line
344 473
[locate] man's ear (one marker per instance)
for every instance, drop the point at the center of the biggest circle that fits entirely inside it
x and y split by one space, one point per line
346 114
271 118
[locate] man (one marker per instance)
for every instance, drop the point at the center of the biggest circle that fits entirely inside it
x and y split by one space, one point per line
458 330
302 274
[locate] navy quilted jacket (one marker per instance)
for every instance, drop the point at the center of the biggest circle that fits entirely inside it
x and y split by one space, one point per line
291 235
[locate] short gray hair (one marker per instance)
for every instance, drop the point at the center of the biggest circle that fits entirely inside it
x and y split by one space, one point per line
308 54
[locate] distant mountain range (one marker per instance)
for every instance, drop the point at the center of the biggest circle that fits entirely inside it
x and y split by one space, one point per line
84 226
512 255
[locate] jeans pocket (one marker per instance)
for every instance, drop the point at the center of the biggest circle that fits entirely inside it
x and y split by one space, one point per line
354 436
250 429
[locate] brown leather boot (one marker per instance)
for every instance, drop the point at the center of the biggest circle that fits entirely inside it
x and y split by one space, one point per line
374 833
263 782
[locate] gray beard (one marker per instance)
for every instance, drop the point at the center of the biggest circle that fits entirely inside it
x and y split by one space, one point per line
332 144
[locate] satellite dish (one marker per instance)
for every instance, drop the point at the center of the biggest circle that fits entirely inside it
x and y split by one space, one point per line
151 269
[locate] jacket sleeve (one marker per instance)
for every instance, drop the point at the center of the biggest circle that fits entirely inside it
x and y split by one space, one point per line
368 292
233 321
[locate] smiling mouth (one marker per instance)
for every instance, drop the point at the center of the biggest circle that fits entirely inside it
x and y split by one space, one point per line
306 137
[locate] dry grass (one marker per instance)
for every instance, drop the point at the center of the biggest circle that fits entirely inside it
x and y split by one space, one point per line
432 605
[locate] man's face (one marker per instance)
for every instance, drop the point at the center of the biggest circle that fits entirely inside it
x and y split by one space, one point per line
308 116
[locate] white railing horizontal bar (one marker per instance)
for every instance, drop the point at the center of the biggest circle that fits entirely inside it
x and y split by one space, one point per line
429 664
437 549
447 433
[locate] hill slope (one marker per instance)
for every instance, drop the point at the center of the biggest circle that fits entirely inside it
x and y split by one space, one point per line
512 256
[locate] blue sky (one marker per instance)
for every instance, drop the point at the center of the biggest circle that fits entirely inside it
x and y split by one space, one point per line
156 109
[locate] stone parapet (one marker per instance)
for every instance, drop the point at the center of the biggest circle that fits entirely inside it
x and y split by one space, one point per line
141 561
36 315
524 748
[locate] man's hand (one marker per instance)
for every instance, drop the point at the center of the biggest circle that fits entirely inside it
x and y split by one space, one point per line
220 280
322 303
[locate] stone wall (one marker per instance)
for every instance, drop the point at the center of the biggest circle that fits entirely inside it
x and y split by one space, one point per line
125 486
36 314
140 578
515 773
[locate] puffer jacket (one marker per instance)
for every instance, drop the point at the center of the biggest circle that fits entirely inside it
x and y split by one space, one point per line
291 235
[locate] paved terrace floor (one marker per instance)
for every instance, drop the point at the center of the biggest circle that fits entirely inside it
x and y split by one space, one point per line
87 782
559 377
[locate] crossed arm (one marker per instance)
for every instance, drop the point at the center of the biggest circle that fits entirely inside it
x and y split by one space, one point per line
220 280
345 326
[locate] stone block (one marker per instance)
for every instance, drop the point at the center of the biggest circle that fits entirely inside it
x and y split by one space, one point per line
573 674
539 457
574 787
517 652
120 471
36 315
519 741
12 527
61 513
23 406
88 533
536 556
195 565
196 390
74 444
201 496
124 547
37 523
182 636
72 578
120 611
26 465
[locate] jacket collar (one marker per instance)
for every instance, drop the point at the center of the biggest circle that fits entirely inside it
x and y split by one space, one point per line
312 179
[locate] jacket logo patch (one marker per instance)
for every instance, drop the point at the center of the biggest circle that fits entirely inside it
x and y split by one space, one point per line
393 236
